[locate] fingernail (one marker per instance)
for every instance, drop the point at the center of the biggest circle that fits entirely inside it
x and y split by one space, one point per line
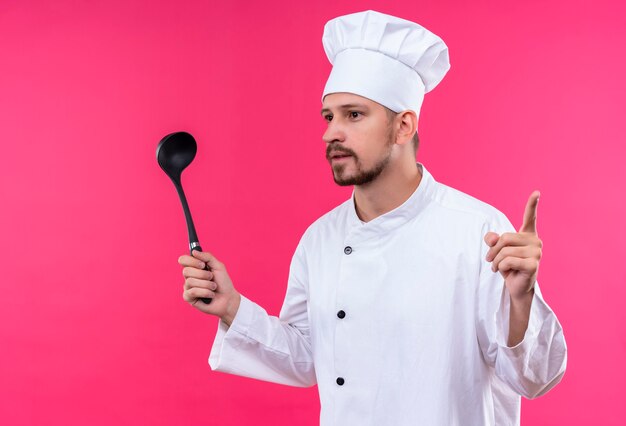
201 265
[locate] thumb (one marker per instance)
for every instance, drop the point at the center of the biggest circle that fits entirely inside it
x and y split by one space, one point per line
207 257
491 238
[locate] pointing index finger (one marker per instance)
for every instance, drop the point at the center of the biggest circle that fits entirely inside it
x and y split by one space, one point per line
530 214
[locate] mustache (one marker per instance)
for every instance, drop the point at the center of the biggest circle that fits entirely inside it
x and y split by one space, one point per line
338 148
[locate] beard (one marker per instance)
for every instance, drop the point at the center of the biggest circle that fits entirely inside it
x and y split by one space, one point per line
362 175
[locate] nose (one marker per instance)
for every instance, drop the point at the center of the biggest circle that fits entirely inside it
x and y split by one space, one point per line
334 133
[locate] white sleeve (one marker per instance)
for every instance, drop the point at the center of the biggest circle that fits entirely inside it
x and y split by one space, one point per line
536 364
264 347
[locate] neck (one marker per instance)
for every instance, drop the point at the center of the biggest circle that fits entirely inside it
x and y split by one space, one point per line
388 191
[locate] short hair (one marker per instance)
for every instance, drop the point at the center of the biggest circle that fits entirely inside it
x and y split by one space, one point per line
390 116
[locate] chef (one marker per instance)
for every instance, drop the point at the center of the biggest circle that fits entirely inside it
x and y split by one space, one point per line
411 303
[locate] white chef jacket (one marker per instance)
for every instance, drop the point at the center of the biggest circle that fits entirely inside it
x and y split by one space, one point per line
400 320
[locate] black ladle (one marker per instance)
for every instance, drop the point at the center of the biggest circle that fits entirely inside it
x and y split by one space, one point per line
175 152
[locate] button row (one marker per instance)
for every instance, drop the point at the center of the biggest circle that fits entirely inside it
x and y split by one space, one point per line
342 314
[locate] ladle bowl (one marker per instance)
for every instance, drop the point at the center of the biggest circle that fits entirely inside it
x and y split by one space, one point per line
175 152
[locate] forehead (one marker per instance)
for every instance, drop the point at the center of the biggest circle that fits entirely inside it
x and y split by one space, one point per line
337 100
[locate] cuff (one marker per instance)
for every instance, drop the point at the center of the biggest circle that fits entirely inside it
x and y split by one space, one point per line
539 312
537 363
234 335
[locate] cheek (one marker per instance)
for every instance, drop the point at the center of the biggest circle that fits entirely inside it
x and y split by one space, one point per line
373 143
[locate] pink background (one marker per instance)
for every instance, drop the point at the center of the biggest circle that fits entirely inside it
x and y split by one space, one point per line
93 329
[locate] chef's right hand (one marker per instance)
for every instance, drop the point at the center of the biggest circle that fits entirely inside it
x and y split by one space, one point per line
214 284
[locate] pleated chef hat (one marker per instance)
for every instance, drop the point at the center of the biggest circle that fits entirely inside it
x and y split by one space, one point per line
386 59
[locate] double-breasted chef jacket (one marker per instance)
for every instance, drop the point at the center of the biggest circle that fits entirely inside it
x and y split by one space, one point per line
400 320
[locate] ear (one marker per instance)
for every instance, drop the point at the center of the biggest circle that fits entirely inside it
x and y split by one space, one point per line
407 126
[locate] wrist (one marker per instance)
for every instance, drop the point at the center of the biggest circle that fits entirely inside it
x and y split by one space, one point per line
231 309
519 316
524 299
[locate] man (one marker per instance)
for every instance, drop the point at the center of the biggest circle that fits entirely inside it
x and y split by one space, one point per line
411 303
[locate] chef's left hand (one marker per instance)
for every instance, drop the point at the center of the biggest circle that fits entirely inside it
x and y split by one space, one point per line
517 255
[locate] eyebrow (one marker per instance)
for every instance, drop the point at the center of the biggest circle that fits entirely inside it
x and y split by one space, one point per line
344 107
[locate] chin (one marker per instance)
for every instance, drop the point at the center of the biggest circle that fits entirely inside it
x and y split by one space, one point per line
352 180
343 183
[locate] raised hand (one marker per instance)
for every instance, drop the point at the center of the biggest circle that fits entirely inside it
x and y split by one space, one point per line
517 255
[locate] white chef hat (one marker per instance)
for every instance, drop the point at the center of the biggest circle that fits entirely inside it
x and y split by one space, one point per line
386 59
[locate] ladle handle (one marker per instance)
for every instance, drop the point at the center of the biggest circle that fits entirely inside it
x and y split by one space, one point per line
196 246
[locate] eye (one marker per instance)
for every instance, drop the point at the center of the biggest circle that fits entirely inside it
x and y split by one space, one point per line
328 117
354 114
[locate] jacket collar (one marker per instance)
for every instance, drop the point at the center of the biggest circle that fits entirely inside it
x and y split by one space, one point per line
383 224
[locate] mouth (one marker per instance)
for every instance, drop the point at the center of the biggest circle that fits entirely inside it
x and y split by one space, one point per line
338 156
